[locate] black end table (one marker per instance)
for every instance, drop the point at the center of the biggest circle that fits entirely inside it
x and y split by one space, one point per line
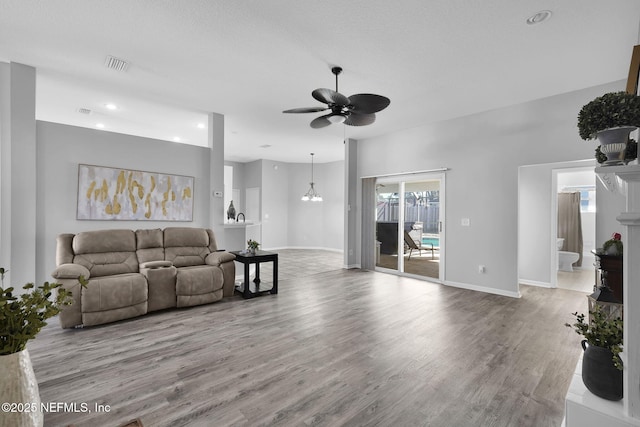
257 258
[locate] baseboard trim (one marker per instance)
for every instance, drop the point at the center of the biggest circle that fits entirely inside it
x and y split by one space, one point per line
536 283
340 251
483 289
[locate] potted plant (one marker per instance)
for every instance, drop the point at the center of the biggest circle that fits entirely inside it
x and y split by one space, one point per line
601 363
21 319
630 153
613 246
253 246
610 118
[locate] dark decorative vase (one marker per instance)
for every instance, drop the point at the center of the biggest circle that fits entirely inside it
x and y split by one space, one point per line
231 212
599 374
614 144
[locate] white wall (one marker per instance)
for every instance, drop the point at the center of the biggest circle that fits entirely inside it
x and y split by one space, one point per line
60 148
18 218
484 152
608 206
534 224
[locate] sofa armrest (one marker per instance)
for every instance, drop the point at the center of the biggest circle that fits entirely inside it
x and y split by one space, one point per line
155 264
217 258
70 271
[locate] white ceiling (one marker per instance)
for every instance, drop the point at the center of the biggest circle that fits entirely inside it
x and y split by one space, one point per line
250 60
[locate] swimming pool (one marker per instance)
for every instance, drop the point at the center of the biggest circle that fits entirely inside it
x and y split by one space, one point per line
435 241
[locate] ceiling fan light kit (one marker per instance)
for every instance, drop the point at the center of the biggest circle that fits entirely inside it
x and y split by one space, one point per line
356 110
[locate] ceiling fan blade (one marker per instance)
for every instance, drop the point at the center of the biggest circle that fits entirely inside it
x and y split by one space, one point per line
367 103
306 110
356 119
329 96
320 122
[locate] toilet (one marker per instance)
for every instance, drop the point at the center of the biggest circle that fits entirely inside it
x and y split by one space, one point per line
565 259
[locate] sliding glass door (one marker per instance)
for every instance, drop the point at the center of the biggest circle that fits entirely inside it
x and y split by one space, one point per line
409 227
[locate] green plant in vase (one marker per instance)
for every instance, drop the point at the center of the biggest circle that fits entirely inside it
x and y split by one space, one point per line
22 317
610 110
602 344
601 331
610 118
252 245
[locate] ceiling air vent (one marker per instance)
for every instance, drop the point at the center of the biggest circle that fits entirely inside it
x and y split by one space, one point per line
114 63
84 111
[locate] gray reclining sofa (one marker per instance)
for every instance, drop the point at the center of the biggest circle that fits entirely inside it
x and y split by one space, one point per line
131 273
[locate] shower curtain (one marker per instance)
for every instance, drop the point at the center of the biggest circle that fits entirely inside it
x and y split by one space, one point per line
570 223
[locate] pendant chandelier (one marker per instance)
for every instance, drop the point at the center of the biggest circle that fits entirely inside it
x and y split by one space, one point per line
311 194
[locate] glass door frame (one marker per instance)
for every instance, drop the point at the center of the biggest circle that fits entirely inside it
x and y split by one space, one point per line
401 180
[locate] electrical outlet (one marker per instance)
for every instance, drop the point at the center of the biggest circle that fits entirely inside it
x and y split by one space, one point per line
465 222
481 269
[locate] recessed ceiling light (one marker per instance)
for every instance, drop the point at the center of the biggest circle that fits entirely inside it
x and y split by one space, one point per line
111 106
265 146
100 125
201 126
84 111
539 17
176 138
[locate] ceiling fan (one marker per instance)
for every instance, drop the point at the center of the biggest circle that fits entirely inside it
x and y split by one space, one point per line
356 110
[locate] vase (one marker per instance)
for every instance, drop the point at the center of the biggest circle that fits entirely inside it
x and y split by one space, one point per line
613 143
20 391
231 212
599 374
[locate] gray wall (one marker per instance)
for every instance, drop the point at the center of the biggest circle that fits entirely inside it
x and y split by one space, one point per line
60 148
484 152
316 225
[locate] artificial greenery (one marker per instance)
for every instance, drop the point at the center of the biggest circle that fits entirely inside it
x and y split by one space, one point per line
21 318
630 153
253 244
614 241
601 331
600 156
609 110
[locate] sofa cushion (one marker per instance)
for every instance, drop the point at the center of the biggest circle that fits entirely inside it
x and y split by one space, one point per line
149 245
149 238
198 280
106 252
185 236
186 246
108 263
90 242
198 285
114 292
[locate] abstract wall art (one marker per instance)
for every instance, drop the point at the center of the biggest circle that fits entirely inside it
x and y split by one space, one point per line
106 193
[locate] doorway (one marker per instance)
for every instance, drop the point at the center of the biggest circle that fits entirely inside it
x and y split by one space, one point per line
409 212
575 228
538 188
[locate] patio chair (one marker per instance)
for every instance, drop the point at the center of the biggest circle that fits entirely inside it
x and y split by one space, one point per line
413 245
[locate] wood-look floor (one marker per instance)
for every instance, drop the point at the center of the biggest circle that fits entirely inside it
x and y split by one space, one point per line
336 348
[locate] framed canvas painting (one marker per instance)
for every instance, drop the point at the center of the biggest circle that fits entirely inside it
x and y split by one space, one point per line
107 193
